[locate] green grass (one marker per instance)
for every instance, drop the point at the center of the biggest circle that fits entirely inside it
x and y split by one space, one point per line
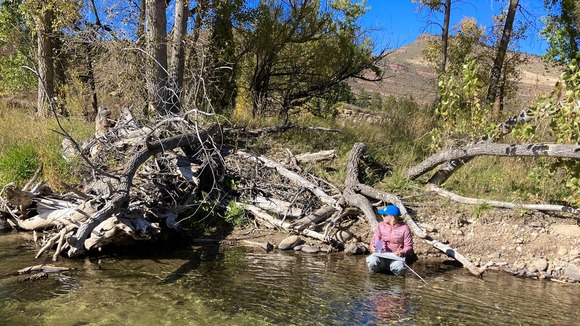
18 163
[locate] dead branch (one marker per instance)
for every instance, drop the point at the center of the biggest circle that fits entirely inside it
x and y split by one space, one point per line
295 178
501 204
316 157
492 149
269 130
43 268
264 216
35 177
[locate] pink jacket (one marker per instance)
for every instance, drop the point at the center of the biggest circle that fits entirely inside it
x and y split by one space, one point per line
393 238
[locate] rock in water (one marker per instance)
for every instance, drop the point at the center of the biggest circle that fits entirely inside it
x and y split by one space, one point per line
290 242
355 249
573 272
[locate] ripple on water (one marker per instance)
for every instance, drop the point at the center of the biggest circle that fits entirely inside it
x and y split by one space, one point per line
240 286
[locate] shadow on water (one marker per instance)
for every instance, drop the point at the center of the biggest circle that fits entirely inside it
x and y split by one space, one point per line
206 253
246 286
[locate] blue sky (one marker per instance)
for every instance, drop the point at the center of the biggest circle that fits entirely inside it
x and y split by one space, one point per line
397 22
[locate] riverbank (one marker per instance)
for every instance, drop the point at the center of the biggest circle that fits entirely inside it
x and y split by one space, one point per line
523 243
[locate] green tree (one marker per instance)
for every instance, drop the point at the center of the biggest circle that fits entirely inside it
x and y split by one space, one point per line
562 31
298 50
465 44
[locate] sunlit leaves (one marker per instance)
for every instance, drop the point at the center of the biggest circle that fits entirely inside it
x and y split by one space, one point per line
460 111
16 48
298 50
560 113
64 12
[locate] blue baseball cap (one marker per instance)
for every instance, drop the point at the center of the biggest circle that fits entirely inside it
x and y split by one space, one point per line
390 210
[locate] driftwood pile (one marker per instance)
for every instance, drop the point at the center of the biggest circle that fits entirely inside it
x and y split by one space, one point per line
146 183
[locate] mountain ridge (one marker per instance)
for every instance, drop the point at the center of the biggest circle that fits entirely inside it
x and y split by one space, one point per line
407 74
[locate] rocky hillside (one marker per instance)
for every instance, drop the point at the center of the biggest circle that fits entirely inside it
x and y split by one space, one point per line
408 74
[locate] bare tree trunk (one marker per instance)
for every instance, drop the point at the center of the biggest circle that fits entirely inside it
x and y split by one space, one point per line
444 43
90 116
200 12
445 37
501 52
177 55
45 62
156 35
141 24
351 196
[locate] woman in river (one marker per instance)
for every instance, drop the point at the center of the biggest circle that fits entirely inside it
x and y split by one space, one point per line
391 236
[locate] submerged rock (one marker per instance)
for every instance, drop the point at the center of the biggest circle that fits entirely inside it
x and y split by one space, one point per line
310 249
4 226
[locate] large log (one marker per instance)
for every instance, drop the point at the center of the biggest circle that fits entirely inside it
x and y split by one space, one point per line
504 128
57 217
280 207
113 227
315 217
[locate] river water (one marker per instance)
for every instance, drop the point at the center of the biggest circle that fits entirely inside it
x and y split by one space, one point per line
247 286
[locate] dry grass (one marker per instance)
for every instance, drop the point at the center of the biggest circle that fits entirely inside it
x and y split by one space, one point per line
26 141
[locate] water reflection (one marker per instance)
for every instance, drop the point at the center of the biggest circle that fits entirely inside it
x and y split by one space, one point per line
241 286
